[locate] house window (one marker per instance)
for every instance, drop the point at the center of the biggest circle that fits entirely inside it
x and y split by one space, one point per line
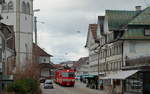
0 55
147 32
132 47
114 50
44 60
117 49
10 6
111 51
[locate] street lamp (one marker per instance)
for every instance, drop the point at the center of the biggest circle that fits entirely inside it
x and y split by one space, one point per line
35 24
36 10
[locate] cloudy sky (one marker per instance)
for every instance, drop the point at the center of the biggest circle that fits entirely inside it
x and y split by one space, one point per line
65 27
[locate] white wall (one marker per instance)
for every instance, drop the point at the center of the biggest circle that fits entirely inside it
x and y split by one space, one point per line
45 72
133 49
43 59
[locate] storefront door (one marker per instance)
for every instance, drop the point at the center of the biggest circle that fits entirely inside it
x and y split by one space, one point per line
146 81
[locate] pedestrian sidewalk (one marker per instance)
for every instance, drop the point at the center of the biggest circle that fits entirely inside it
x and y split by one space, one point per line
83 85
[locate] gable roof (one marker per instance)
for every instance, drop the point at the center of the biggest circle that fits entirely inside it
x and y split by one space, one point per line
143 18
92 28
39 51
119 18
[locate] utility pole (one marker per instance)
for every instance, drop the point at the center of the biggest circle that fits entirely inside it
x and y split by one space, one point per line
35 29
17 40
98 66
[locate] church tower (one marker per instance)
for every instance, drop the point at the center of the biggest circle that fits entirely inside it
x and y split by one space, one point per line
19 14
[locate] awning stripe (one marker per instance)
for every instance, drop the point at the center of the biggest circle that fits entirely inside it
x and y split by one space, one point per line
121 75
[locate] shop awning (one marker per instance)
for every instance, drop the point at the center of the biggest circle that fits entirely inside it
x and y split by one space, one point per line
121 75
88 75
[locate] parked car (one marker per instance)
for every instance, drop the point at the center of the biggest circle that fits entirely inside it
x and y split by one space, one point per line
48 84
42 80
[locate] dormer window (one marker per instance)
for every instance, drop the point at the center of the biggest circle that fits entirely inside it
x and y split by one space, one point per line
110 37
147 32
44 60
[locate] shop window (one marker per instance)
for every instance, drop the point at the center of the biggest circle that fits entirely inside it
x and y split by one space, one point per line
147 32
134 85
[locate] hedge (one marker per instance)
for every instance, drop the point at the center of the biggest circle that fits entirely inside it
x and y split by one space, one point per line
24 86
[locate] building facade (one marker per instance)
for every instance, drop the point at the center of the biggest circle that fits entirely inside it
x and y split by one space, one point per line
123 37
81 66
91 45
6 34
43 59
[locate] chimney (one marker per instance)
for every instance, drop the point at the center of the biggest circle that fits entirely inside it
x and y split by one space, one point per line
138 8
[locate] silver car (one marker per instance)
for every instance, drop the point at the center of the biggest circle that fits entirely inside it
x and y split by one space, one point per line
48 84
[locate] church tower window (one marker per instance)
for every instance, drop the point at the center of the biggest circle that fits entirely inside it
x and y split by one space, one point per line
10 6
28 8
24 7
4 7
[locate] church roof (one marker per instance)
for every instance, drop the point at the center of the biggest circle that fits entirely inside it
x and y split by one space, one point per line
39 51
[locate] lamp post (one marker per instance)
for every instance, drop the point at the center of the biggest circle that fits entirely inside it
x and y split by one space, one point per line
35 24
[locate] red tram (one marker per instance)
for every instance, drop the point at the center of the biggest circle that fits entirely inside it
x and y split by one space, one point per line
65 77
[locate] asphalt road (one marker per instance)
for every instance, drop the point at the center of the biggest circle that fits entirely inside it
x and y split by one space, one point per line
79 88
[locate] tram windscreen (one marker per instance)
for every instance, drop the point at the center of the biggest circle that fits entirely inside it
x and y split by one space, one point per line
68 74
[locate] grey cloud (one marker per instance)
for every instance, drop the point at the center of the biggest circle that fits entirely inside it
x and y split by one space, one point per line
63 21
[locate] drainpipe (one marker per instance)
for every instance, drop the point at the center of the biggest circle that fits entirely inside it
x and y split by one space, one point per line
98 67
123 84
35 28
18 34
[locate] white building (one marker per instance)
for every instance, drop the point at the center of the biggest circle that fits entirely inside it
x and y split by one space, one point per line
67 63
19 14
122 36
44 60
82 66
91 45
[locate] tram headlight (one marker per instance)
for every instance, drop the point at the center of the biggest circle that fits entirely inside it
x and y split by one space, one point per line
67 80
